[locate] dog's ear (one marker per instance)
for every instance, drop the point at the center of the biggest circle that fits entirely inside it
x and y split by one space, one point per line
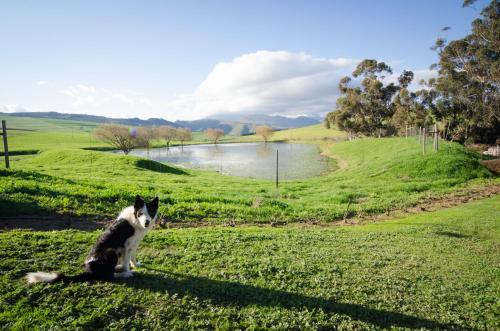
139 203
153 206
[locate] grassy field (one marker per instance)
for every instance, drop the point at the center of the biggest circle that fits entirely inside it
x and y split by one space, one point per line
313 132
378 175
43 134
435 270
40 134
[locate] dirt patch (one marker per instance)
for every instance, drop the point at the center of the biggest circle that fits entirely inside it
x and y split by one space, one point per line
326 151
492 165
52 223
430 204
85 224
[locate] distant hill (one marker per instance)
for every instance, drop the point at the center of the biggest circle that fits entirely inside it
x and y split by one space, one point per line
242 129
280 122
234 125
200 125
94 118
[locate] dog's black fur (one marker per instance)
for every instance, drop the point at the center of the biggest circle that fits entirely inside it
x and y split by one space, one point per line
109 248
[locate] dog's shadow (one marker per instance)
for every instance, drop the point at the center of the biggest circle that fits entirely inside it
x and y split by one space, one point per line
240 295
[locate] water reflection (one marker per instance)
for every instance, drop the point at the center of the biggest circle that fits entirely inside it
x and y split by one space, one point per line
265 150
256 160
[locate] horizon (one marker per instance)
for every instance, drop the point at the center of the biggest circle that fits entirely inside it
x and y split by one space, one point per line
196 60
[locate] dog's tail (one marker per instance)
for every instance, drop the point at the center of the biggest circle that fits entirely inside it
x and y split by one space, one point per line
52 277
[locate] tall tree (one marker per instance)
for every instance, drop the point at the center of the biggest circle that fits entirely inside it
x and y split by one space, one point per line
214 134
365 109
184 134
119 136
469 79
167 133
145 136
265 131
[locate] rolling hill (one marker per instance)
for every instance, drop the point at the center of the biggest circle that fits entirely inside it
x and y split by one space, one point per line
236 126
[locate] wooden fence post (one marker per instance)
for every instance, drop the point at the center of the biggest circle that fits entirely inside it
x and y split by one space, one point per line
276 168
423 141
437 140
434 145
5 145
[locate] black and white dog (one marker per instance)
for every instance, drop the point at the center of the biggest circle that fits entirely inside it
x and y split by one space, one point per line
115 249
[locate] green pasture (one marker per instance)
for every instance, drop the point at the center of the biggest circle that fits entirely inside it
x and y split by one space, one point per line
432 271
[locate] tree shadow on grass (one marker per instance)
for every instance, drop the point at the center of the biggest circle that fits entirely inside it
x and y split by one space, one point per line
159 167
32 216
240 295
32 175
453 234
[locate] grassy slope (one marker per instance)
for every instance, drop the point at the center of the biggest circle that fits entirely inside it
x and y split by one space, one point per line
49 134
308 133
382 174
54 133
313 132
433 270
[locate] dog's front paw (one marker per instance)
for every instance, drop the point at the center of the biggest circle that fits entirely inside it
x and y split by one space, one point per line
136 264
125 274
119 267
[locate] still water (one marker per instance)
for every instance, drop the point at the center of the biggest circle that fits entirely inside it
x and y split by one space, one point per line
254 160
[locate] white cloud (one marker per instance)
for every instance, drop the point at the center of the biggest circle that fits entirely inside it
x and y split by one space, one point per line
88 95
42 82
266 82
423 74
133 100
13 108
418 75
82 95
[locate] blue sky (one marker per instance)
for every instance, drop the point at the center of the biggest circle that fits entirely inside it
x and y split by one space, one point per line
192 59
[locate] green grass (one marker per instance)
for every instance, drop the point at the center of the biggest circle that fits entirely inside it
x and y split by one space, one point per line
435 270
380 175
43 134
47 124
312 133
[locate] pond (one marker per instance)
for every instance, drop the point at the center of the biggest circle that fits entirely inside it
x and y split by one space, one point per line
254 160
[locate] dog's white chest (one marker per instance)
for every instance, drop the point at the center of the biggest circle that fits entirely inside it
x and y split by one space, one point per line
133 242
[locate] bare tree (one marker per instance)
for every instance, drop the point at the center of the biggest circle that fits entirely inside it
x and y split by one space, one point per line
167 133
184 134
145 136
265 131
118 136
214 134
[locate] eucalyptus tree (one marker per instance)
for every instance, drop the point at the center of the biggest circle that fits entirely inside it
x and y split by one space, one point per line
365 108
469 79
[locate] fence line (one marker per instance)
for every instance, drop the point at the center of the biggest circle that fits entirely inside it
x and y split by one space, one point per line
5 144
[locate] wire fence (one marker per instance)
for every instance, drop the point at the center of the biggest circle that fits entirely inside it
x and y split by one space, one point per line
70 150
28 136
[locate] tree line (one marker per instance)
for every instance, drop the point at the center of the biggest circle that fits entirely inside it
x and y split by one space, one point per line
463 100
126 139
